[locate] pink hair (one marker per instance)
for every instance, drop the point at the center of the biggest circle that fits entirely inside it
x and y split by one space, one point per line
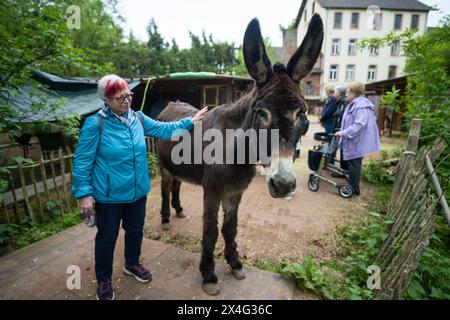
109 85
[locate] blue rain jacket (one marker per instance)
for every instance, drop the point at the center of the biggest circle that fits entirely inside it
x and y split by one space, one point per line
112 165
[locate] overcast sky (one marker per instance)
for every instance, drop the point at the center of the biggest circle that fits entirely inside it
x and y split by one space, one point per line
225 19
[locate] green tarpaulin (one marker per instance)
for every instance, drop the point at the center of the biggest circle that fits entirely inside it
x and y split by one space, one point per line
80 94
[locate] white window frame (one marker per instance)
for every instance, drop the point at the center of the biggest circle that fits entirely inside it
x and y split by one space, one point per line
378 17
348 69
372 73
374 51
336 72
335 44
354 47
395 49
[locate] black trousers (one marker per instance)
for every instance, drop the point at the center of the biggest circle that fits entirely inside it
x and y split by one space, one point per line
108 218
354 172
344 164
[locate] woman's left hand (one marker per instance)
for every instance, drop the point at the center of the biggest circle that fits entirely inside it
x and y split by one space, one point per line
199 115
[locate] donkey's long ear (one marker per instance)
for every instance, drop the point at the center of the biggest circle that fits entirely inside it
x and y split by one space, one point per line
255 57
306 55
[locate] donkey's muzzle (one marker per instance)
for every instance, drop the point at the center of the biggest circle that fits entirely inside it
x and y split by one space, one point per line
282 184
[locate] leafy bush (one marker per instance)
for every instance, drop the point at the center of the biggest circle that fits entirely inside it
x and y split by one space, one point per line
310 275
152 164
7 232
375 172
19 236
54 208
432 277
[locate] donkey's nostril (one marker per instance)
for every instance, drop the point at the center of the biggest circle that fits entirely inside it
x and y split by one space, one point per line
272 183
283 184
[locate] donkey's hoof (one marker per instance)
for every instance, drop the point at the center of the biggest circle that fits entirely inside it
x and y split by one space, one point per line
238 274
181 214
165 226
211 288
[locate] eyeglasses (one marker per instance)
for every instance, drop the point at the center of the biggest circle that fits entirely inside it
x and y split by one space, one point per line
121 99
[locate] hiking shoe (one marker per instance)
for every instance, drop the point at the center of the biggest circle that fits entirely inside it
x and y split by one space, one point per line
105 291
138 272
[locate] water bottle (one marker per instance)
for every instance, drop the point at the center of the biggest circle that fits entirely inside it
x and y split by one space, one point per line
91 214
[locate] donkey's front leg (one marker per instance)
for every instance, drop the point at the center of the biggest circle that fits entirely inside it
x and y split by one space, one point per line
230 206
211 203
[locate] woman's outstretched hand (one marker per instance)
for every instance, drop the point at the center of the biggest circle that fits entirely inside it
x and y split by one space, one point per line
199 115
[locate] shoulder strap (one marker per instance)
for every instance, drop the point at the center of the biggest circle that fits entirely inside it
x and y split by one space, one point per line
140 118
100 129
100 124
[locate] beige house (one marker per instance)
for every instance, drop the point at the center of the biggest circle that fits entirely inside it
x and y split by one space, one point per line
345 23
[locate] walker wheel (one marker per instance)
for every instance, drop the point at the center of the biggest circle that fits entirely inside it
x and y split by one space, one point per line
345 191
313 182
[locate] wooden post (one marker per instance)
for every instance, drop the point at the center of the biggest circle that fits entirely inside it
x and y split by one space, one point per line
36 192
69 162
44 177
62 162
413 136
407 155
5 211
52 166
25 194
13 191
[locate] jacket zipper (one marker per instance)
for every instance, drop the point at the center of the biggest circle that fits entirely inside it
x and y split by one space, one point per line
108 185
134 162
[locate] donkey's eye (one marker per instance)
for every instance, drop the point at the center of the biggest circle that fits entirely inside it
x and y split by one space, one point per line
297 114
265 116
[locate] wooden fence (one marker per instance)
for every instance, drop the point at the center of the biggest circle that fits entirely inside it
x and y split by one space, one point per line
412 210
30 186
27 182
151 145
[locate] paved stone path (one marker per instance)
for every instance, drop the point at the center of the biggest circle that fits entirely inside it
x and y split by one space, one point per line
39 272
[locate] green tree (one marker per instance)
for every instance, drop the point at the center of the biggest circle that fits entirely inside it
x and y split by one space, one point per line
33 35
99 37
427 66
241 70
132 59
159 57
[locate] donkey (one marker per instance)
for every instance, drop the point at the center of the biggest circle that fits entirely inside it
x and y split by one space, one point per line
275 102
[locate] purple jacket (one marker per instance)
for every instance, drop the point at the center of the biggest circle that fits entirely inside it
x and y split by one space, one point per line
359 130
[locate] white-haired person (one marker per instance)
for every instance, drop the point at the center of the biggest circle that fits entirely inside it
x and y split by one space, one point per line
110 173
341 103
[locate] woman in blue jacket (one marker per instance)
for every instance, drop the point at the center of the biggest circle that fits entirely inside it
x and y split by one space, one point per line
110 173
